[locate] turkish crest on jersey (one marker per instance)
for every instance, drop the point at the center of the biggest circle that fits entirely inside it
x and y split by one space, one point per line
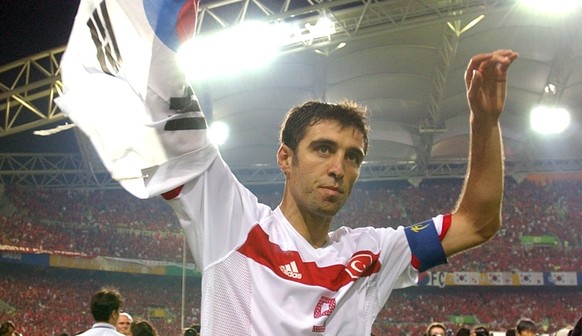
122 87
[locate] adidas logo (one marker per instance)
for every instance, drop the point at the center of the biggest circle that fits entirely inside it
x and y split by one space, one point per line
291 270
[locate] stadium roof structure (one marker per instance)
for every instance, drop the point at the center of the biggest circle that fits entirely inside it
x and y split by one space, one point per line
404 59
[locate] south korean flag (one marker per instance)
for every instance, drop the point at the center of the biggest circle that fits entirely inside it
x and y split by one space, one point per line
122 87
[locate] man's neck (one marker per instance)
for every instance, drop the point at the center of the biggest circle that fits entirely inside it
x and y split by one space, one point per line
313 228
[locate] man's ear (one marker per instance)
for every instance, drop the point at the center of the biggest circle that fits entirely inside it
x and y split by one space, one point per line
115 315
284 158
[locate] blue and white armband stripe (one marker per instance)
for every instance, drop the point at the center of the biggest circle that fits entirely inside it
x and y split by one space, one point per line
424 240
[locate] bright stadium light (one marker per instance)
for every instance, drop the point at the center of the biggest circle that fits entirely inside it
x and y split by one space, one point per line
243 47
549 120
323 28
552 7
218 132
246 46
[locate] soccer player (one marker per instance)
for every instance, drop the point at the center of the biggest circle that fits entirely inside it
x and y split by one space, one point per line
281 271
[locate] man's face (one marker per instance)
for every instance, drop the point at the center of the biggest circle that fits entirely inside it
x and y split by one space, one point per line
437 331
527 333
123 325
324 168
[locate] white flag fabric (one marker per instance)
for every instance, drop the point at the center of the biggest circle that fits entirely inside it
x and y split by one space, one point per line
466 278
564 278
122 87
531 278
499 278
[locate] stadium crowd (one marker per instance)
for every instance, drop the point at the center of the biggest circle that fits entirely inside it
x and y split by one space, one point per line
47 301
115 224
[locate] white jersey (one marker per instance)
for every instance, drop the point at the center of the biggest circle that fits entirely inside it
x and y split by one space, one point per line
261 277
101 329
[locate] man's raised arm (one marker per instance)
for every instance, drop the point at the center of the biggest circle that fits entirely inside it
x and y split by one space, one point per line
477 216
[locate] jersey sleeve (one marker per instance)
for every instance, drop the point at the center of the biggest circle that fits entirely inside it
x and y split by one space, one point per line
216 212
406 251
123 88
425 239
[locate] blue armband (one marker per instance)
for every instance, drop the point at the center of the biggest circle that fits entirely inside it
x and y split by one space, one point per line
425 245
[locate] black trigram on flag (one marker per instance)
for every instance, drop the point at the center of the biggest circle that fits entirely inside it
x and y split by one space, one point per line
104 38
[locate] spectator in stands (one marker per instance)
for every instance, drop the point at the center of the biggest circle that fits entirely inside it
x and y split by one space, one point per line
124 323
479 331
436 329
105 305
464 332
143 328
8 328
526 327
192 331
577 331
562 332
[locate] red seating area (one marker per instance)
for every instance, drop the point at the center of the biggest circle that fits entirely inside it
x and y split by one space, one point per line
113 223
49 301
498 309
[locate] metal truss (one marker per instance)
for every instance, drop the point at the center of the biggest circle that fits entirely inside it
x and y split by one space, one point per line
52 170
29 86
68 171
352 18
27 90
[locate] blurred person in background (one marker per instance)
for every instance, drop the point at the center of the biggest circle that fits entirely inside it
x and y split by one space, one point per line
480 331
436 329
526 327
124 324
192 331
8 328
577 331
463 331
143 328
105 305
562 332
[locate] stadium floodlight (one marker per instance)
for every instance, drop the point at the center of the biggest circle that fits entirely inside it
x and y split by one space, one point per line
549 120
552 7
218 132
246 46
323 28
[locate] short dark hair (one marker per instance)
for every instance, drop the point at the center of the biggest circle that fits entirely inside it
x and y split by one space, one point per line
143 328
194 330
104 302
463 332
525 324
480 331
346 113
6 327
